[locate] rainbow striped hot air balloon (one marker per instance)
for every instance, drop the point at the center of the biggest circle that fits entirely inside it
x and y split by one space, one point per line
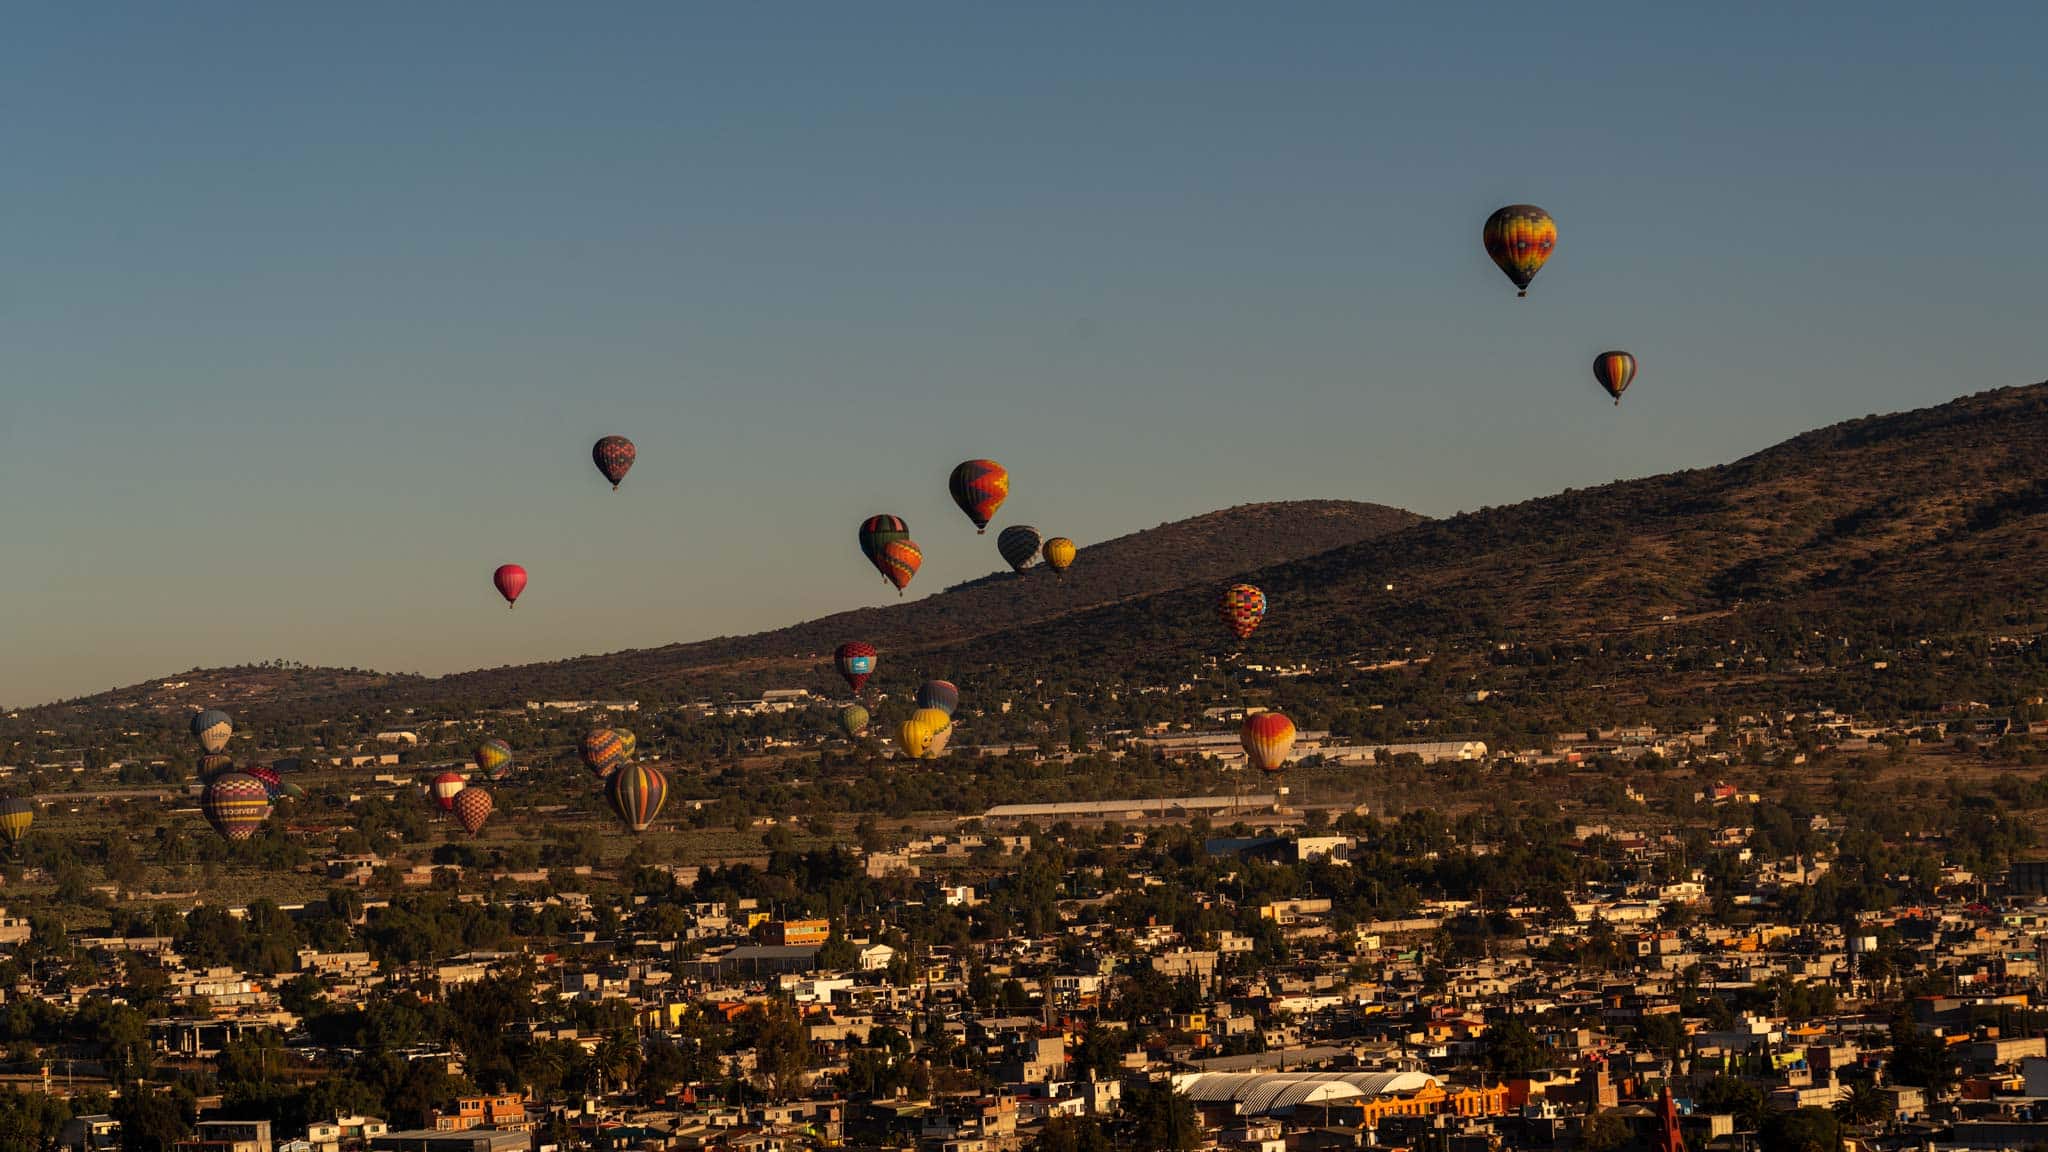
1242 609
1059 554
601 751
16 814
1614 370
1018 545
979 487
492 757
856 662
1268 737
236 804
637 793
943 695
614 456
444 788
212 729
472 806
1519 238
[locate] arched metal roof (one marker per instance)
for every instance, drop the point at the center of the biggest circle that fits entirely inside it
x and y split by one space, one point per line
1258 1093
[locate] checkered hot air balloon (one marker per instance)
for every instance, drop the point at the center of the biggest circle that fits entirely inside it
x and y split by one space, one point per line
979 487
1268 737
601 751
269 776
212 729
614 456
1519 238
855 660
472 806
1018 545
1614 370
1242 609
637 792
236 804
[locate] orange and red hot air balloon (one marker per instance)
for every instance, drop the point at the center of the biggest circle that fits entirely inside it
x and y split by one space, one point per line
510 580
1520 237
1614 370
1268 737
979 487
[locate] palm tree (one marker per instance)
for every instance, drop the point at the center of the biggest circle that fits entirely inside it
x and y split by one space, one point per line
1864 1104
618 1058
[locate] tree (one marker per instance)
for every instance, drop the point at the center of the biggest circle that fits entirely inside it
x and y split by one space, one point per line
150 1121
1073 1134
1163 1119
782 1049
1865 1104
1801 1130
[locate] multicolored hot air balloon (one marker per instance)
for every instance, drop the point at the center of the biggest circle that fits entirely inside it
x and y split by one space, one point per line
272 782
472 806
16 814
627 743
1520 238
1614 370
614 456
492 757
1018 545
885 541
1242 609
854 720
942 695
601 751
445 788
979 487
236 804
637 793
899 561
1059 554
510 580
212 729
856 662
1268 737
877 531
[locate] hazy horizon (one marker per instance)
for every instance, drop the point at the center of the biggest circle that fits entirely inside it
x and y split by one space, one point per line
314 315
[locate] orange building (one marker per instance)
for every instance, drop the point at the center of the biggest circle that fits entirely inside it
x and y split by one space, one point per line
506 1112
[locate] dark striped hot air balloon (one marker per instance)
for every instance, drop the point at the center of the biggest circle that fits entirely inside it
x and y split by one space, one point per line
1614 370
1520 237
16 814
979 487
1059 554
601 751
236 804
214 765
877 531
855 660
943 695
492 758
212 729
614 456
1268 737
1242 609
637 792
472 806
1018 545
444 788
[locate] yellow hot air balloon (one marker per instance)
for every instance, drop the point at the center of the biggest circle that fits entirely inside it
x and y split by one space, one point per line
1520 238
913 736
16 814
924 735
1059 553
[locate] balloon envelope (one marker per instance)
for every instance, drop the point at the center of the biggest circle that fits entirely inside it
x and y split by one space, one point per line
614 456
627 743
1614 370
937 728
601 751
268 775
212 729
1520 238
637 792
1018 545
856 662
236 804
16 814
854 719
472 806
979 487
1242 609
1268 737
899 561
445 788
942 695
914 736
1059 553
510 580
878 531
492 755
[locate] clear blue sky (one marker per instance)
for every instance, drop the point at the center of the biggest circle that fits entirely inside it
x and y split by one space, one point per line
308 315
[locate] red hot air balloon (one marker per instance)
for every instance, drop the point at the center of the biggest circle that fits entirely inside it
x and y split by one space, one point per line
472 806
614 456
511 581
1268 737
269 776
855 661
445 788
1242 609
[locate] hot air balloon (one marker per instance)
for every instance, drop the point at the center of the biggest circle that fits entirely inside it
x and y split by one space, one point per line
214 765
1268 738
1242 609
1018 545
472 806
1520 237
511 581
914 736
942 695
291 790
491 757
445 788
938 725
627 743
272 782
212 729
637 793
899 561
877 531
1059 553
979 487
854 719
1614 370
856 662
601 751
16 814
614 456
236 804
